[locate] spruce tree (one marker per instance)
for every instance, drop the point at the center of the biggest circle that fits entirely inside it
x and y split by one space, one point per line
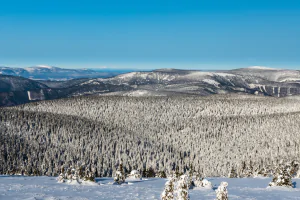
120 175
222 193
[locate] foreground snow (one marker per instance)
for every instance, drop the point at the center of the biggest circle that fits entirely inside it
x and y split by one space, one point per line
47 188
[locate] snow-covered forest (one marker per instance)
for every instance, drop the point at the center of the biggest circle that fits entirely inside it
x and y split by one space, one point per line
218 135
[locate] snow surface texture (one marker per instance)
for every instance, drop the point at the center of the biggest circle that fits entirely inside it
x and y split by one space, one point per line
47 188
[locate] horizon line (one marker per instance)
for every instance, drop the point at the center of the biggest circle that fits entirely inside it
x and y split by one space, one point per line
149 67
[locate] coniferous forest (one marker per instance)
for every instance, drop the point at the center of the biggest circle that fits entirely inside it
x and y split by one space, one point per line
216 136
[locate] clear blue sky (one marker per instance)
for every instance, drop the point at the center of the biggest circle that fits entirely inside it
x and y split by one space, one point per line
150 34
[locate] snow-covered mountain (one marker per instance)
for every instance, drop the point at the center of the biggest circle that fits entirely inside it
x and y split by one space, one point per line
270 74
253 80
167 82
44 72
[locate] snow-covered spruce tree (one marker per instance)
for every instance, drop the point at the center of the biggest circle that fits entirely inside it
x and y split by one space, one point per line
177 173
198 181
168 193
204 183
294 168
242 169
191 183
249 170
281 178
89 176
75 177
261 172
61 178
119 175
191 175
81 172
222 193
26 173
69 175
149 172
161 174
182 188
256 170
134 174
232 173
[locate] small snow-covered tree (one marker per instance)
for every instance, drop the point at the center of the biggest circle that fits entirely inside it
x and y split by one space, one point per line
191 174
69 175
232 173
149 172
26 173
182 188
206 184
249 171
200 182
75 177
89 176
281 178
222 193
168 193
61 178
134 174
262 172
161 174
177 173
80 171
294 168
120 175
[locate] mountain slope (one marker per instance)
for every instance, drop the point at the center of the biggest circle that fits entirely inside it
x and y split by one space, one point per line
270 74
16 90
13 83
248 80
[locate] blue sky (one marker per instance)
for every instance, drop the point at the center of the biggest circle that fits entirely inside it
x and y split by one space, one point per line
208 34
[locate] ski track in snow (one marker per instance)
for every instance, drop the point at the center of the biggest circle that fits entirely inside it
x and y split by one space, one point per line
47 188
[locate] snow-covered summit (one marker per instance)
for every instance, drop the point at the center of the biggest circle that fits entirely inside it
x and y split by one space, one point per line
262 68
45 66
40 67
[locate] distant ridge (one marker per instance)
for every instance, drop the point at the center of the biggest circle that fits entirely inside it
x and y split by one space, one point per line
255 80
263 68
45 72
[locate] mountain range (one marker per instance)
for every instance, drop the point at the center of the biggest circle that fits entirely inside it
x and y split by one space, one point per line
162 82
44 72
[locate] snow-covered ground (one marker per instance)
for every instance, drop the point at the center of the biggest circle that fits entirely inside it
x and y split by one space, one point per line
47 188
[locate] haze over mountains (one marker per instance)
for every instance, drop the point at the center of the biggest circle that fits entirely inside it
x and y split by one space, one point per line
162 82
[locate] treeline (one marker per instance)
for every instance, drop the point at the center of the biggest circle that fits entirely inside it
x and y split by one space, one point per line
155 134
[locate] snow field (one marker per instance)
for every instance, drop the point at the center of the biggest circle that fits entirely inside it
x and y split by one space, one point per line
47 188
